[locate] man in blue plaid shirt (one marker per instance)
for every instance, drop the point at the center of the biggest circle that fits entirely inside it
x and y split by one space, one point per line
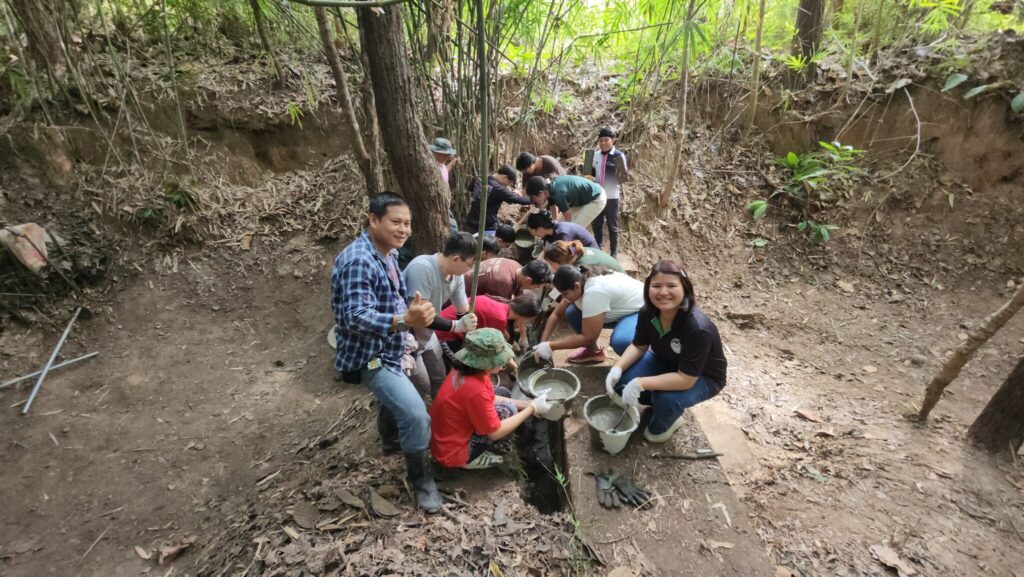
372 318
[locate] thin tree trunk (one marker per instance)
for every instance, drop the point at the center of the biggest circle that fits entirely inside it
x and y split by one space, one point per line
1000 426
755 79
264 34
417 174
876 36
956 361
367 165
677 153
40 20
810 20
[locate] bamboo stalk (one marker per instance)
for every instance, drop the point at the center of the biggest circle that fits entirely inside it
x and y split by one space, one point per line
755 79
959 357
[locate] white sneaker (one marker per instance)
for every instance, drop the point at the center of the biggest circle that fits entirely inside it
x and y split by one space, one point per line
485 460
662 437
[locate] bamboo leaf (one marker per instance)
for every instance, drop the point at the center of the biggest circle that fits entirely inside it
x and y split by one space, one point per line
976 91
1017 104
953 81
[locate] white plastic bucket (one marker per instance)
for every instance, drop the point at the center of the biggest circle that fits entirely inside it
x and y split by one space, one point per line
602 414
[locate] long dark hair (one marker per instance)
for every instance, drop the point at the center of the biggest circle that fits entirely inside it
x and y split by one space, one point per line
526 305
465 370
540 219
568 275
669 266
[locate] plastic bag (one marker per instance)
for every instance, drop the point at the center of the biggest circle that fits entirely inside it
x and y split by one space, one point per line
27 242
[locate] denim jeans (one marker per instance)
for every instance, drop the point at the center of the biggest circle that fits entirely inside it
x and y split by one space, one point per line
667 406
622 334
398 398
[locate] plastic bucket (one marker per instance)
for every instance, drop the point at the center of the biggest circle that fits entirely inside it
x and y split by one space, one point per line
560 385
602 414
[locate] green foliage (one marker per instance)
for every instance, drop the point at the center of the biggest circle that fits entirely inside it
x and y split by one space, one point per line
812 181
295 114
1017 104
180 196
816 233
953 81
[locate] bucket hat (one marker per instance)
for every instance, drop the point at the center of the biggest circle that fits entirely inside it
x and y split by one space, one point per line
485 349
442 146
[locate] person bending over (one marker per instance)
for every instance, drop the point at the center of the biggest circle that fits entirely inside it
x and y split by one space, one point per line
543 165
541 225
470 412
578 199
506 278
511 317
592 298
438 278
499 187
576 253
676 359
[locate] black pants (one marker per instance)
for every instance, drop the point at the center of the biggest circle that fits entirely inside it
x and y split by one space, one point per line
611 213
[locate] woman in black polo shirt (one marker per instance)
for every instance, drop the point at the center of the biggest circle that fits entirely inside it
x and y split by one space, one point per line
676 359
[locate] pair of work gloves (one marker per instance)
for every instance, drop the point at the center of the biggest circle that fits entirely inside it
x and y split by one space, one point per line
617 489
630 394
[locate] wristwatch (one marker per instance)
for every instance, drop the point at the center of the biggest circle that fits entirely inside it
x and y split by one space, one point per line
400 326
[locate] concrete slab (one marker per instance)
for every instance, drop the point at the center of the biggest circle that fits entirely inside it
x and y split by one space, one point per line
697 525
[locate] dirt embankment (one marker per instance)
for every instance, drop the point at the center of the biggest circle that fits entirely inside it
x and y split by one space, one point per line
213 375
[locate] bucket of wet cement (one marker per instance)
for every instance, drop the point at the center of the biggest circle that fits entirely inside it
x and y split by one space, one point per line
561 387
609 429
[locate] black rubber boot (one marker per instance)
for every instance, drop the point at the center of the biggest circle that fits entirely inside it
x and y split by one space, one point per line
387 428
421 478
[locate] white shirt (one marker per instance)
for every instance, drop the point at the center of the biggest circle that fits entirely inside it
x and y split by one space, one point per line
615 295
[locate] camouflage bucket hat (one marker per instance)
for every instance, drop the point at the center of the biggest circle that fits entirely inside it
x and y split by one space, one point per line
485 349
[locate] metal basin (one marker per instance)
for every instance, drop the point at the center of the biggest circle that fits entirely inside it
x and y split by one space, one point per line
560 385
524 238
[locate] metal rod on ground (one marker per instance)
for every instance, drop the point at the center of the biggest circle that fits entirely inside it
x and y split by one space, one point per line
49 363
57 366
483 60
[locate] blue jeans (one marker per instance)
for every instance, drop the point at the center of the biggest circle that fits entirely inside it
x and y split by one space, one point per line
667 406
622 334
397 398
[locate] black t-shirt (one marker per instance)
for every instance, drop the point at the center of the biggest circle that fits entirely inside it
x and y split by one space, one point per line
692 345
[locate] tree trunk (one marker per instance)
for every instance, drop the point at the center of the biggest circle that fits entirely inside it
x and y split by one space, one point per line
40 19
677 153
755 78
810 19
371 129
264 34
1000 425
876 35
367 165
401 131
957 360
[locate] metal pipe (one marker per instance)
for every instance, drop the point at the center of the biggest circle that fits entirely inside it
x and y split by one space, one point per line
49 363
57 366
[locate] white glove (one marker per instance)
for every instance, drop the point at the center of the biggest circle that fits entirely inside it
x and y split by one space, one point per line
465 324
540 405
631 394
542 351
611 380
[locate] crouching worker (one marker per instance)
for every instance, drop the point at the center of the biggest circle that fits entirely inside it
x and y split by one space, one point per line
471 413
676 358
369 304
592 298
511 317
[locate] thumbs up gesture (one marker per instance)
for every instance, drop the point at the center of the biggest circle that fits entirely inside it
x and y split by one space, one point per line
421 312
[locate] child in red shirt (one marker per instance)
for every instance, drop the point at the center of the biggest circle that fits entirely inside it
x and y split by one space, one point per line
470 412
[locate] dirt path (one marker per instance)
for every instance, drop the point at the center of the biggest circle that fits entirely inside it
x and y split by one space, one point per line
210 377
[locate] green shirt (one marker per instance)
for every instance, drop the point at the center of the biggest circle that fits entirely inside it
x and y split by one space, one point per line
595 257
573 191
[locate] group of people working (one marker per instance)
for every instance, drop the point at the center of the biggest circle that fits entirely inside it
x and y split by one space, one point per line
408 334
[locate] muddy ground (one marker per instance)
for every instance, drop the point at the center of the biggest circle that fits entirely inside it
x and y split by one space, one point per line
197 422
